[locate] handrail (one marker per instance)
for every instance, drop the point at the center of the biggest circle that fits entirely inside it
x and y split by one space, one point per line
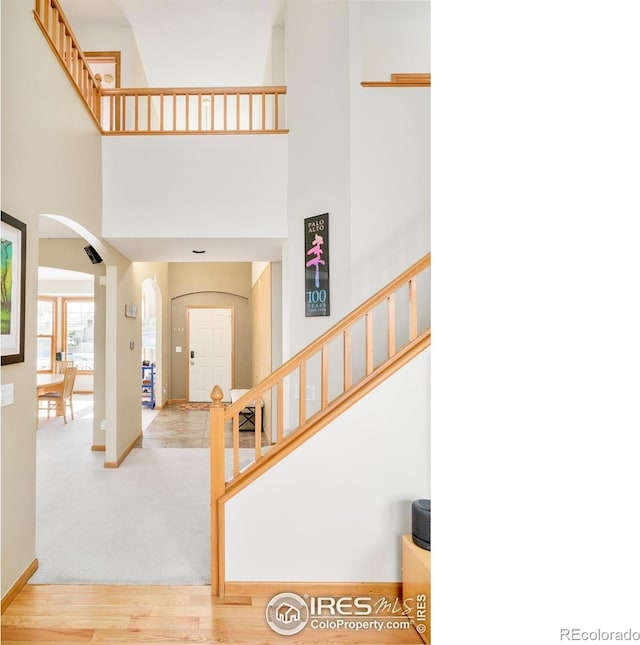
193 110
58 33
405 332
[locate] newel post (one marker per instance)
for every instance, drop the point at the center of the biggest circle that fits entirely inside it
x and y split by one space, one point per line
216 428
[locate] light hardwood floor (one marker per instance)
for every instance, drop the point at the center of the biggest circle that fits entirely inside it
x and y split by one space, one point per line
125 614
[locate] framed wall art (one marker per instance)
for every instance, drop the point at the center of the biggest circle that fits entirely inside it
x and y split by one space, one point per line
316 283
12 279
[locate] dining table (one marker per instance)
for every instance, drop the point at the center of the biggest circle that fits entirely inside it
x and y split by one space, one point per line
46 383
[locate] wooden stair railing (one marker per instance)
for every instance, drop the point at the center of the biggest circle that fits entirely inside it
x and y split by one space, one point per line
58 33
345 363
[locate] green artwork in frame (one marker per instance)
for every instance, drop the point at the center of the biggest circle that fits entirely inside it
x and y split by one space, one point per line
13 246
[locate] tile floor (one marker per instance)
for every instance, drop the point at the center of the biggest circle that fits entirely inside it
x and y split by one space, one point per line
174 427
170 427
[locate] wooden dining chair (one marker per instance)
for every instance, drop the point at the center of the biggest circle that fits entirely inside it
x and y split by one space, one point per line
63 397
61 366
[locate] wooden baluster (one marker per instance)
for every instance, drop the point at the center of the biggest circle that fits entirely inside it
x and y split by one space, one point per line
123 126
236 445
54 25
280 411
98 105
413 309
112 113
216 428
391 325
61 34
149 113
257 422
238 111
199 112
275 111
63 44
369 342
72 49
78 68
213 102
161 112
250 111
47 6
186 111
346 358
135 112
264 111
303 393
175 98
324 394
224 126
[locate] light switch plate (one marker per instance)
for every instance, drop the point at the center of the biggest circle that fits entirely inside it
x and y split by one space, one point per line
7 394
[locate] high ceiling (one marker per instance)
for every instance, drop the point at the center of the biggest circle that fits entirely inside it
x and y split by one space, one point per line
189 43
186 43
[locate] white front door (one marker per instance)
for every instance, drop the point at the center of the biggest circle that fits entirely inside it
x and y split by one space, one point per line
209 351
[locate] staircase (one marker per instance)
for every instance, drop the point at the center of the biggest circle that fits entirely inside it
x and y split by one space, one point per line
345 363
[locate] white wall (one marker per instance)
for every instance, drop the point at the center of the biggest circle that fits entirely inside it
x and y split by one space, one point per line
120 39
185 186
343 499
390 144
390 185
317 65
394 37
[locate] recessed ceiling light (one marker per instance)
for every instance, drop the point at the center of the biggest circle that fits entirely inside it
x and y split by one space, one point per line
198 251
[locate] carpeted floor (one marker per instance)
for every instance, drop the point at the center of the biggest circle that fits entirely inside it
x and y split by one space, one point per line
147 522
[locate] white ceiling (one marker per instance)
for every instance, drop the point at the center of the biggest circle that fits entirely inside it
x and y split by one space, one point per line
187 43
190 43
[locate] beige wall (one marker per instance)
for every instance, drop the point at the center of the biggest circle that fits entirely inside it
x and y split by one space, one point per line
225 277
51 164
51 156
213 284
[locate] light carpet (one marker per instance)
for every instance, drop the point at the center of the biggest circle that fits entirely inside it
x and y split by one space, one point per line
147 522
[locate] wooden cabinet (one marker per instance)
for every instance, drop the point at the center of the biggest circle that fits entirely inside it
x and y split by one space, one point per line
148 386
416 585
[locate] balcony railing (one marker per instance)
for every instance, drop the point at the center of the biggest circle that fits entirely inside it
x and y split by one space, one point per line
198 110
